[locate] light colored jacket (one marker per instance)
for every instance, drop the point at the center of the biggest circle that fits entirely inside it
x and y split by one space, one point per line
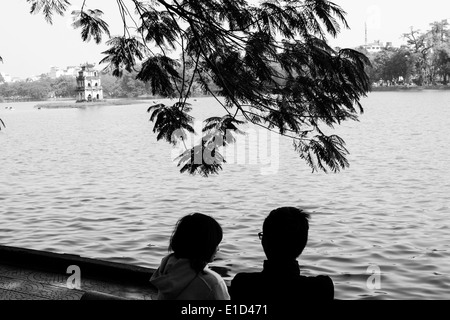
176 280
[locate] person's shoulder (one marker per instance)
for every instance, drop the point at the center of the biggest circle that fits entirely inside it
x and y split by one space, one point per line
215 283
211 278
246 277
320 286
322 279
246 281
247 285
211 275
319 281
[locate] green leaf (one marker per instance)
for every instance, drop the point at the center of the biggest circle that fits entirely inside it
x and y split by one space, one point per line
220 130
324 152
48 7
123 54
203 159
259 52
160 27
170 123
160 72
91 23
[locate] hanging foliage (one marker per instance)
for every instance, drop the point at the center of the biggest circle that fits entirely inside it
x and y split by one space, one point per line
270 64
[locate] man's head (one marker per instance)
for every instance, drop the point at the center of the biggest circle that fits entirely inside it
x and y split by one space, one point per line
285 233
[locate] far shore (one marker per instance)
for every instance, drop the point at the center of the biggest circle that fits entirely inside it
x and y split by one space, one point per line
409 88
66 103
73 104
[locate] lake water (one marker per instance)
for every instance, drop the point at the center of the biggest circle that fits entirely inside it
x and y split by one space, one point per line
95 182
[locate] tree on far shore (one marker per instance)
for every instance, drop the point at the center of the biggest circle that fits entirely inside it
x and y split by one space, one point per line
423 61
270 64
1 80
420 53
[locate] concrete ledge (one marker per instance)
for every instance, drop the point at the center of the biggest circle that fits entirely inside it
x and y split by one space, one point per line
58 263
93 295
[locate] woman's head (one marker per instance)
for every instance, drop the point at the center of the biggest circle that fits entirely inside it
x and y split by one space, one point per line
196 237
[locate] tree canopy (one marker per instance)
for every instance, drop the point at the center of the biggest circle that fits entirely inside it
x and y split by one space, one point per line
270 65
1 79
424 60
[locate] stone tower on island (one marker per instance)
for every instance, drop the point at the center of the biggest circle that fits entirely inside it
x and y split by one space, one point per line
89 87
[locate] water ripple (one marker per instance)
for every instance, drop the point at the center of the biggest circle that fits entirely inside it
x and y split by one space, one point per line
108 190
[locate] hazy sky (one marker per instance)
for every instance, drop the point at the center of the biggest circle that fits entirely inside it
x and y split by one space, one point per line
30 46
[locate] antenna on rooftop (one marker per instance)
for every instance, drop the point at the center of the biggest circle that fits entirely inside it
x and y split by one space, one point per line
365 27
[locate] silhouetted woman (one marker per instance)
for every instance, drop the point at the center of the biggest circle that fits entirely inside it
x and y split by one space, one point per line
184 274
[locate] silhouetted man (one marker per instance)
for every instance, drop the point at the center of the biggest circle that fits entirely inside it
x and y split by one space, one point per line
284 236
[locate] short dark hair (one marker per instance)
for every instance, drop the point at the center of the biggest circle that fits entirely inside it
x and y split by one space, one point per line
285 233
196 237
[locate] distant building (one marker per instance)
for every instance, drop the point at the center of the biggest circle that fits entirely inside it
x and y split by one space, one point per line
7 77
89 86
72 71
377 46
374 47
56 72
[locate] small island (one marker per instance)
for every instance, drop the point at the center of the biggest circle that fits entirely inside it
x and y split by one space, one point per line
89 93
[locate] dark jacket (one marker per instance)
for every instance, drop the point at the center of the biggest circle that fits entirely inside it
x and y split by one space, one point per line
280 281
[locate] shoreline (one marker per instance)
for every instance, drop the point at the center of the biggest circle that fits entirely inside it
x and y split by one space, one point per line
67 104
71 104
408 88
81 105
